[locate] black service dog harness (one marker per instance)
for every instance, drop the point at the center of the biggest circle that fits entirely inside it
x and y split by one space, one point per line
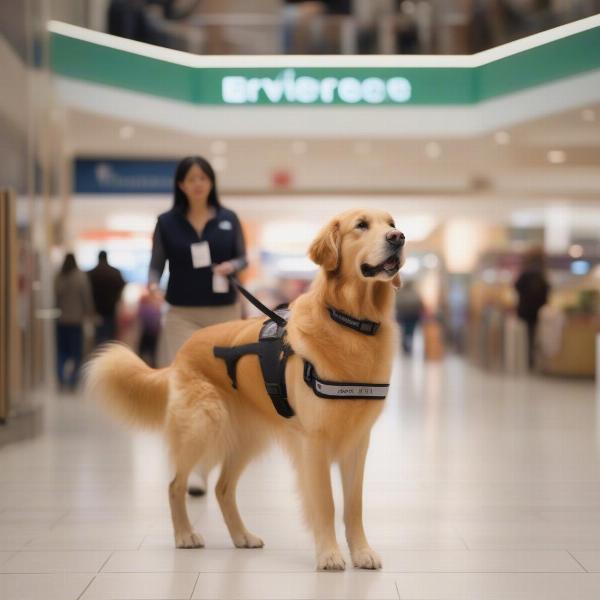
273 351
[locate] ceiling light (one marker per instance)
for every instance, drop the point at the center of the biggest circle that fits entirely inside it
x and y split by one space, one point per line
588 115
576 251
219 163
556 157
299 147
433 150
126 132
218 147
502 138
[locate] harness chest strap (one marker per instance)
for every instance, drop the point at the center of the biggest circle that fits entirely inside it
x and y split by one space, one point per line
273 352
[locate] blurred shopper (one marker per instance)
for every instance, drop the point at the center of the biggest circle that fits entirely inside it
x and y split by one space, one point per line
532 288
301 26
146 20
409 309
74 301
107 287
149 315
204 244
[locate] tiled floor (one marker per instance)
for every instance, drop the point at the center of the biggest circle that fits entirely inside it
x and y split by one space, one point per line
478 487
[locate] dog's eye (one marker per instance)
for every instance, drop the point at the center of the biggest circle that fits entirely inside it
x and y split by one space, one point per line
392 224
362 225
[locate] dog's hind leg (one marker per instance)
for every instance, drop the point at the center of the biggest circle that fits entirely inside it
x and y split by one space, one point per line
233 466
352 467
195 423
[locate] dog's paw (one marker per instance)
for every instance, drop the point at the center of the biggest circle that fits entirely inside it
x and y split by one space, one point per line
248 540
331 560
189 539
366 559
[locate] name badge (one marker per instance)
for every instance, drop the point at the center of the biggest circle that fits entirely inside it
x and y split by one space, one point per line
200 255
220 284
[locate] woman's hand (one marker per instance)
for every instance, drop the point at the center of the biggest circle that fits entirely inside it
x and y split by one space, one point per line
224 268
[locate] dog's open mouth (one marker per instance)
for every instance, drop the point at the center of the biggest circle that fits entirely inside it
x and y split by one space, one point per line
389 266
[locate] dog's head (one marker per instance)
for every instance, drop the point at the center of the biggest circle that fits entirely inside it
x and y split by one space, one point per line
363 243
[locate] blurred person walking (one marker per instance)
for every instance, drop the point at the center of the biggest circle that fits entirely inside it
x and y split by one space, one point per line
533 289
203 244
149 315
107 286
74 300
409 309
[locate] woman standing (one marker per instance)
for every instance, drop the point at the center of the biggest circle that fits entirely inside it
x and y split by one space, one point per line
74 300
203 243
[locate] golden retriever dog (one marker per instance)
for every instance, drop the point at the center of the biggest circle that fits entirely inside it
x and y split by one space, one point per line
207 421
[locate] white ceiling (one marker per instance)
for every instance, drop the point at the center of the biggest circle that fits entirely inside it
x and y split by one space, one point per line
514 160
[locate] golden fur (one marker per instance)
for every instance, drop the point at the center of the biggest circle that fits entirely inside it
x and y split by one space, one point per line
206 421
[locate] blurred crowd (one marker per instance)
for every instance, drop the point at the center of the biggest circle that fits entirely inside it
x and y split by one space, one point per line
340 26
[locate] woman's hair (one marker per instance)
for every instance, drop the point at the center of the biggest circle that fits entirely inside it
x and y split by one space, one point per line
69 264
180 200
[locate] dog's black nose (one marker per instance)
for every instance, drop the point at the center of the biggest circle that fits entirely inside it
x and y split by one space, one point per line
395 238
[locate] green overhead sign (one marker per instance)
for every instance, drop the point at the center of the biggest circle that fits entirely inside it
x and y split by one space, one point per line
287 87
79 54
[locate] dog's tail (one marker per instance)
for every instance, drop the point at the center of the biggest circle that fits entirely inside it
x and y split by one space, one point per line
122 381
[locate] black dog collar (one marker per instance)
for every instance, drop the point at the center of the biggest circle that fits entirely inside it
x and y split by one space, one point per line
365 326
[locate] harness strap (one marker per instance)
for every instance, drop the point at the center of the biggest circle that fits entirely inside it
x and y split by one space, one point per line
273 360
362 326
232 355
337 390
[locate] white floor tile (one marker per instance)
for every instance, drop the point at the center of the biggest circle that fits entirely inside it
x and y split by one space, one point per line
4 556
589 559
467 586
57 540
43 587
206 561
351 585
141 586
55 562
14 541
461 561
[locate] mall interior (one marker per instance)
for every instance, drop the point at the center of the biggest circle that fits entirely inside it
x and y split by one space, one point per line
474 123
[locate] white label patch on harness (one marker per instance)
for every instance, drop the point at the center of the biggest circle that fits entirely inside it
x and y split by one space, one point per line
353 391
226 225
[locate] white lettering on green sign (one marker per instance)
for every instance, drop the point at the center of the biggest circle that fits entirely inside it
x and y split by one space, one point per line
237 89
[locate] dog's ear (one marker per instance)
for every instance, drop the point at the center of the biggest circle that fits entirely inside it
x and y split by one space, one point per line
397 282
325 249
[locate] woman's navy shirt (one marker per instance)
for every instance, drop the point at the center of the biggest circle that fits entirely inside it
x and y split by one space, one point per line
172 241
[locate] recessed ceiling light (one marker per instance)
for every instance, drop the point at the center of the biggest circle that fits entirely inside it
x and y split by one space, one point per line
433 150
576 251
218 147
299 147
588 115
556 157
126 132
502 138
219 163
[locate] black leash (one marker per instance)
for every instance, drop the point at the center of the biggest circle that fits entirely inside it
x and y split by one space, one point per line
256 302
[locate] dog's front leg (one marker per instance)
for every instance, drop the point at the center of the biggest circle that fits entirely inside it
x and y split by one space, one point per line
315 484
352 467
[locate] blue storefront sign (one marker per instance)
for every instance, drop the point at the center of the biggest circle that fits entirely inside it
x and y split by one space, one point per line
124 176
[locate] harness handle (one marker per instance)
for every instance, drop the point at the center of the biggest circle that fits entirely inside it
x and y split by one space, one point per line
256 302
